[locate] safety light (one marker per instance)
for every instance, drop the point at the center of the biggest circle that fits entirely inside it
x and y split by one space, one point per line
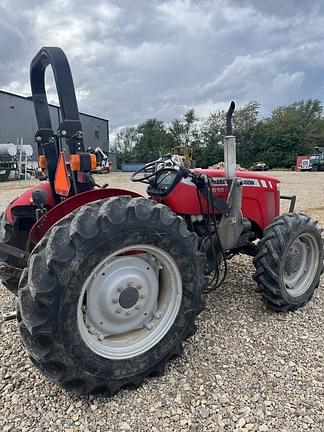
41 162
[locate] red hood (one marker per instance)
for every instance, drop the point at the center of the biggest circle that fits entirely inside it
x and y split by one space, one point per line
242 174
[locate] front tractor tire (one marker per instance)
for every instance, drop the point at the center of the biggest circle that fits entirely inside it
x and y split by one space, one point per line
110 294
289 262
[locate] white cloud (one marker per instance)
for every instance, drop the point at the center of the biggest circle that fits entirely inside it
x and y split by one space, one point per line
285 82
135 59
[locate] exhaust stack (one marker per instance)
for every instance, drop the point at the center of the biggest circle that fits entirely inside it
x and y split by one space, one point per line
230 145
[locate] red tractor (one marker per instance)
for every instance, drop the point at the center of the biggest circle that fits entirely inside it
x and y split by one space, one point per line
109 282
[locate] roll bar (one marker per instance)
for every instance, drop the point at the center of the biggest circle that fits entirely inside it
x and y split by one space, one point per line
70 128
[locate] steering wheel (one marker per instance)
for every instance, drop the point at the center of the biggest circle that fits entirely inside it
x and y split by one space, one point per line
150 170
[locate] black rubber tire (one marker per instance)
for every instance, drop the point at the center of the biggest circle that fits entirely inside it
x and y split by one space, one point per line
50 289
270 260
8 236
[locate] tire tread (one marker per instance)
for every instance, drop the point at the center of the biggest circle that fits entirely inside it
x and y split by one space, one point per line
267 261
57 253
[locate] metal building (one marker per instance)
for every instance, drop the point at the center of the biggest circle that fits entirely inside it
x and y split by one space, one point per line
17 120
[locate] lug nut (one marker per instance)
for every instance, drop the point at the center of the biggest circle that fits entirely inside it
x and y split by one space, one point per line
148 326
157 315
128 313
118 310
115 300
120 289
142 296
137 307
139 287
2 269
129 284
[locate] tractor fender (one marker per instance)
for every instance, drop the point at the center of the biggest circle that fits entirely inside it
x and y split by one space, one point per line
40 228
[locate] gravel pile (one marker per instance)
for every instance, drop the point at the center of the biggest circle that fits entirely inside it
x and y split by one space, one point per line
246 369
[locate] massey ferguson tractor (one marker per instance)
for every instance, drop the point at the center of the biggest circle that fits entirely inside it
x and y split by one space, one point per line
109 283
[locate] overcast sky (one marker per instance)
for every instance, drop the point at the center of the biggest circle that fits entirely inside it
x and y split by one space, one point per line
135 59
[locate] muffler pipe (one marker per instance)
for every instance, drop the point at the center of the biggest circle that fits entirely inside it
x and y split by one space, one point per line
230 146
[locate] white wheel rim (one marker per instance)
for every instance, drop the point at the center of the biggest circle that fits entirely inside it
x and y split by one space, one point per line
300 265
129 302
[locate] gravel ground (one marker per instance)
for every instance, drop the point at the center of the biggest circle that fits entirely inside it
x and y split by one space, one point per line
246 369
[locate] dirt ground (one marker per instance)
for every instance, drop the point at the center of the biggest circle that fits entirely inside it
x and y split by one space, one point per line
246 369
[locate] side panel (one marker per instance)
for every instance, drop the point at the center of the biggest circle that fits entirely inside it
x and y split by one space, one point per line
260 199
40 228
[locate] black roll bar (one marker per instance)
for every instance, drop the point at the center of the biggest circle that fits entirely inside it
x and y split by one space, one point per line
70 128
71 124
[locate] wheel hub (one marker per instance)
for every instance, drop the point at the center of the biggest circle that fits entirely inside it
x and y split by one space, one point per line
122 295
295 259
129 297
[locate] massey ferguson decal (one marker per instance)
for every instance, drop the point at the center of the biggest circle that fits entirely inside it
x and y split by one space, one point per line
219 181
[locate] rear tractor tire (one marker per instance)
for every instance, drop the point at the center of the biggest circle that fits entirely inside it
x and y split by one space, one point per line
110 294
289 262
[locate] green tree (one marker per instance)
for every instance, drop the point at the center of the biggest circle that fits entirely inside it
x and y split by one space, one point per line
189 126
183 131
177 132
291 130
124 144
154 140
208 145
245 121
